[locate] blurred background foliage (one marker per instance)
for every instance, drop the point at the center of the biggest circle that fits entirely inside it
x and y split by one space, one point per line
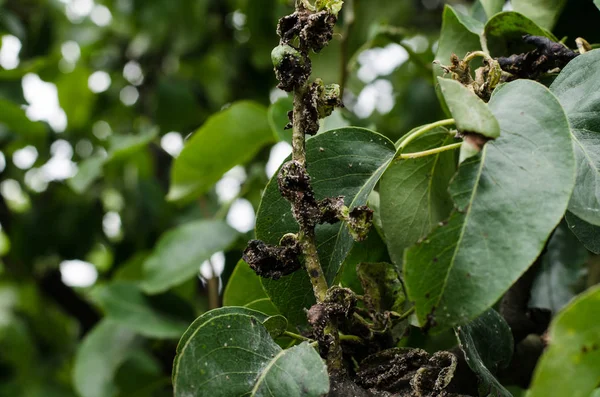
97 98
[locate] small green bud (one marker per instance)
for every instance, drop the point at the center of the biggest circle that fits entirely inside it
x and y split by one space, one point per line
292 68
283 51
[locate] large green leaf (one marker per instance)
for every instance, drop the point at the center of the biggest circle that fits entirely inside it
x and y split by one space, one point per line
487 343
589 235
414 194
563 267
470 113
571 364
544 12
501 224
504 33
231 137
577 88
346 162
245 289
456 37
123 146
180 252
15 119
125 304
75 97
597 2
228 352
99 356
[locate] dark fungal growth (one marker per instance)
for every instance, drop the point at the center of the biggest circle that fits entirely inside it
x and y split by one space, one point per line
547 56
271 261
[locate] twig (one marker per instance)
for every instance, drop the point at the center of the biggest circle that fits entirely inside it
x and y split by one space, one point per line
429 152
422 131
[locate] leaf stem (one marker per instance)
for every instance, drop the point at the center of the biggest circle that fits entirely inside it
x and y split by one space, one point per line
297 337
351 338
404 315
422 131
472 55
429 152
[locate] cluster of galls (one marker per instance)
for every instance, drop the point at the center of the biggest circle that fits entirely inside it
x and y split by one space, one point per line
338 305
274 261
301 32
487 77
548 56
294 184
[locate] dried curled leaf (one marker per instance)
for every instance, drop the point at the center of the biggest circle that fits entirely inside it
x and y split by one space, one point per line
272 261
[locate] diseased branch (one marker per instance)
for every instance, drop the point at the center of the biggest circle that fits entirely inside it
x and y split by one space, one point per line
308 29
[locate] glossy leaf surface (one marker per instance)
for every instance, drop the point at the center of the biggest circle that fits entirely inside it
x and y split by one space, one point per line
414 194
346 162
577 88
228 352
228 138
571 364
500 225
180 252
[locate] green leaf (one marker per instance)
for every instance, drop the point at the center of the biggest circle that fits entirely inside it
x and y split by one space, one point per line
278 118
347 162
544 12
99 356
382 287
123 146
571 364
455 38
563 267
487 343
372 250
597 2
500 225
472 24
180 252
229 138
504 33
89 170
414 194
75 97
228 352
577 88
125 304
16 121
470 113
589 235
245 289
491 7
